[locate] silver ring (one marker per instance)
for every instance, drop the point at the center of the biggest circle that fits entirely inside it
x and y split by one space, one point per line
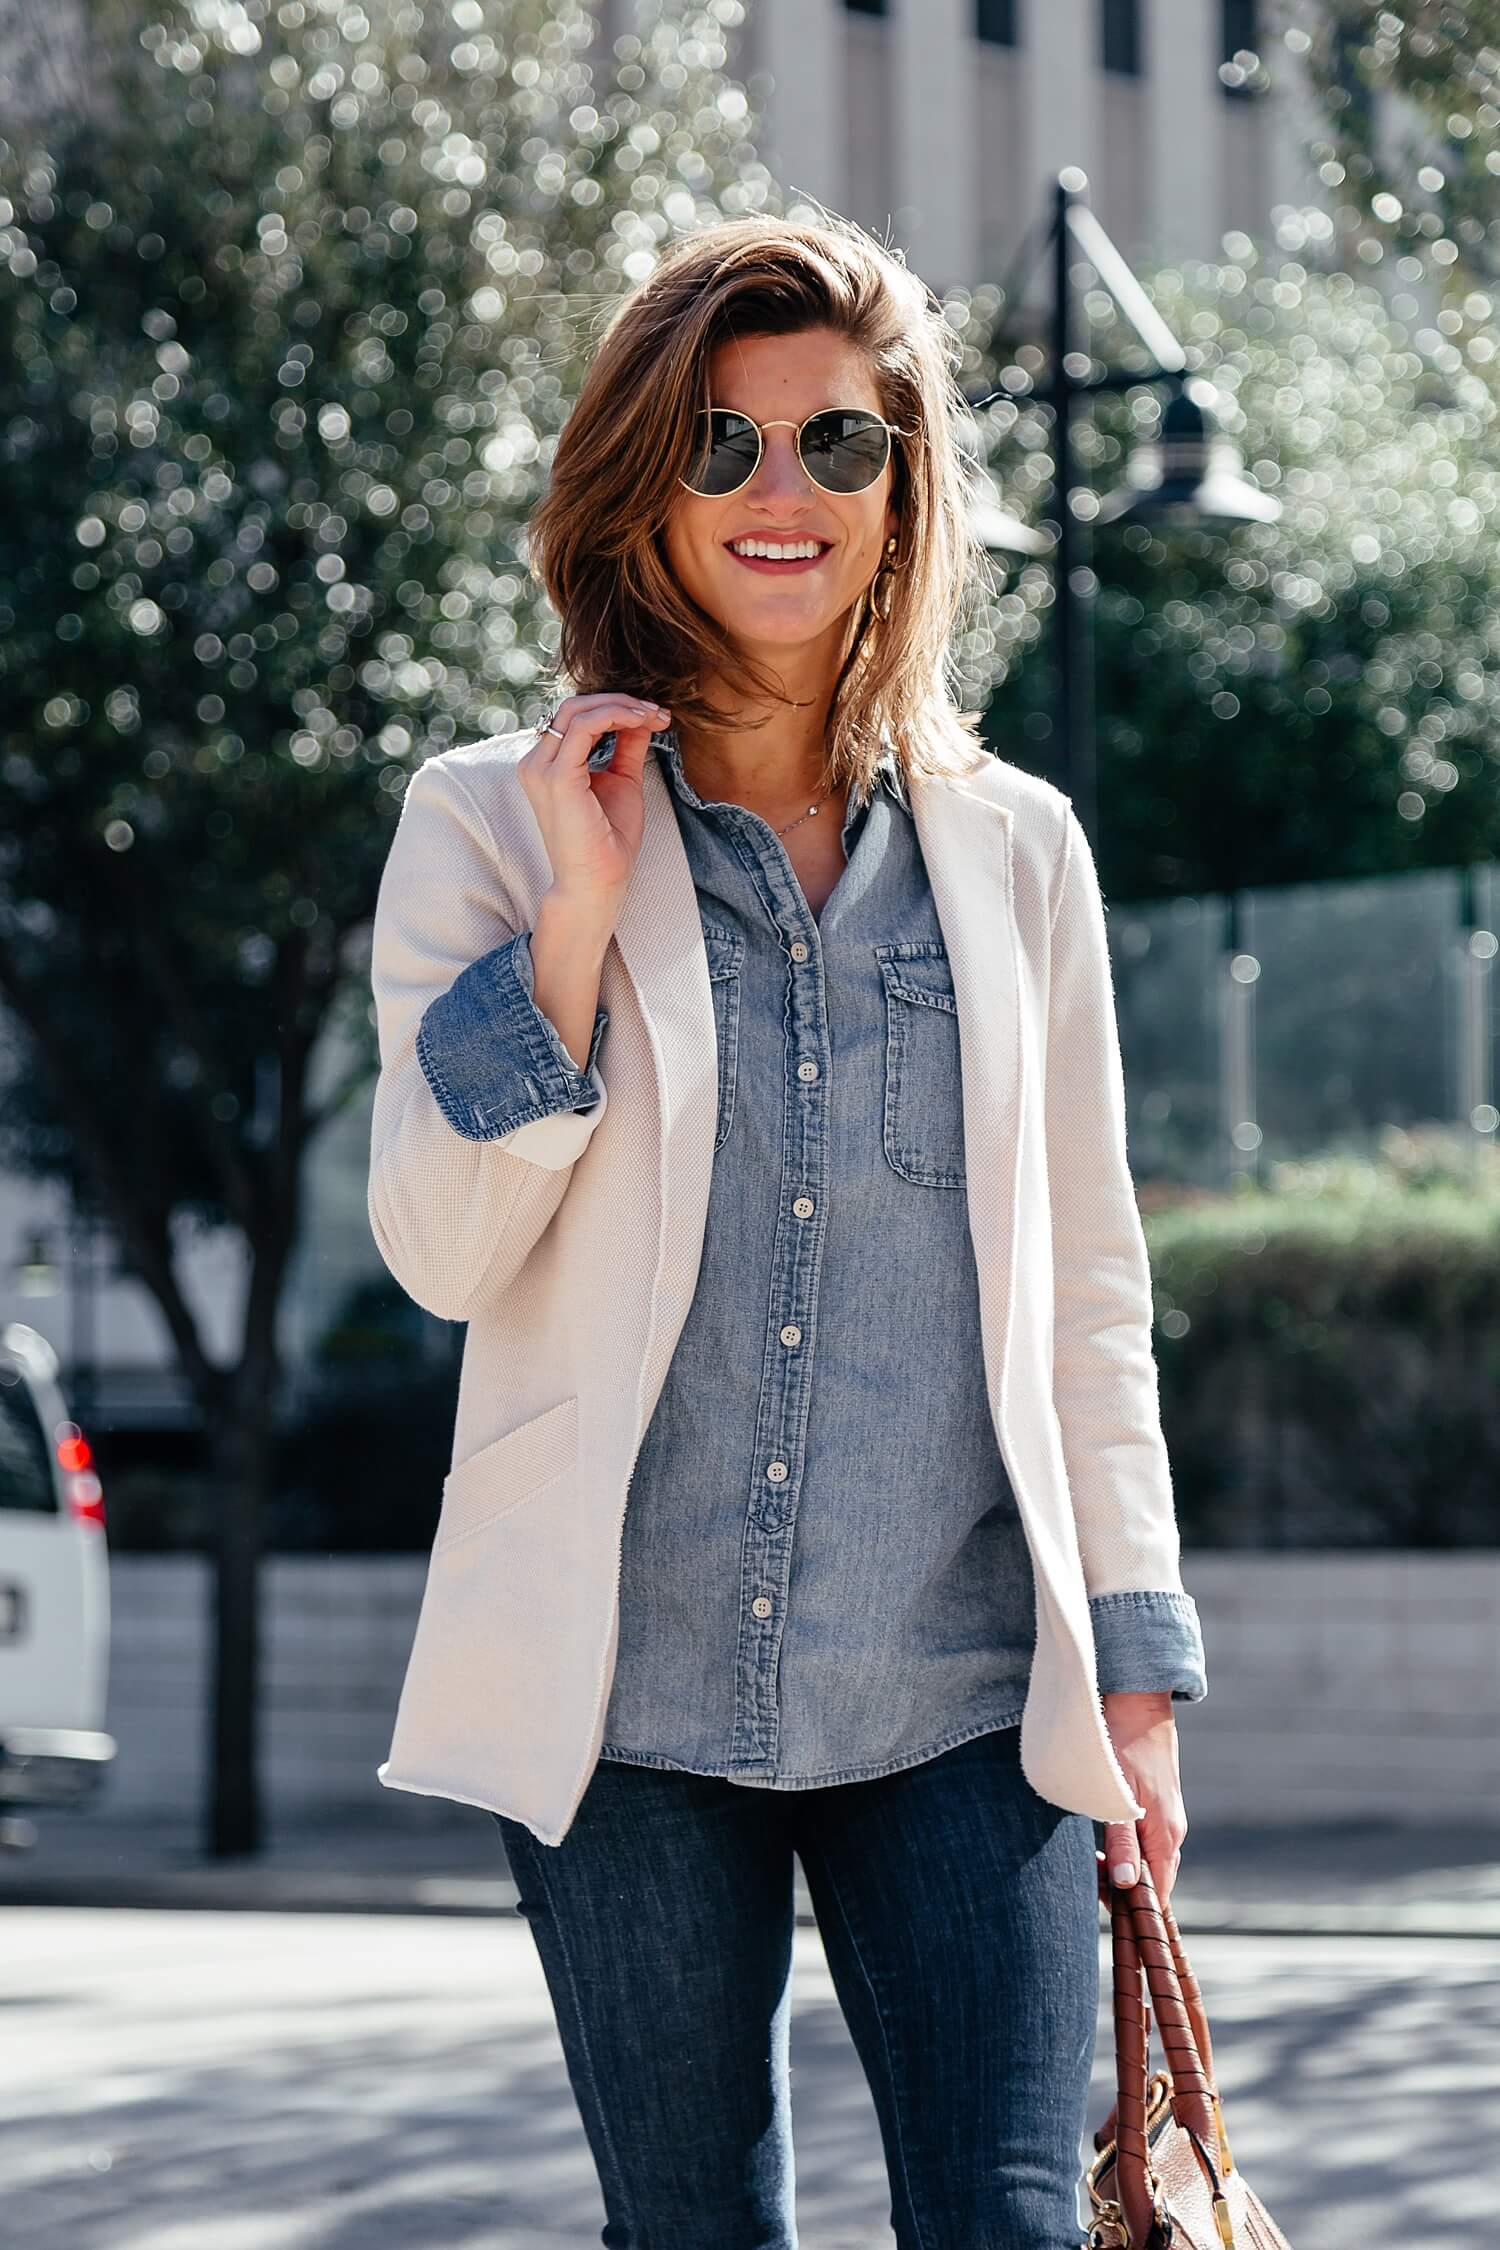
555 730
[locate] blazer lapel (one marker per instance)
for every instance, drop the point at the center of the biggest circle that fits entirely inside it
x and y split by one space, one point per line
967 845
660 940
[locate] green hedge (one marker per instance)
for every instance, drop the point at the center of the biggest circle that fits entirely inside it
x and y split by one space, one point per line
1329 1351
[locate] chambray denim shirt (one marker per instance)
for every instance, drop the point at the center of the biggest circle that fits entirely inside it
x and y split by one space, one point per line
824 1576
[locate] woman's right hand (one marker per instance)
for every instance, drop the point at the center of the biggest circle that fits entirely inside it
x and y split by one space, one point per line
592 823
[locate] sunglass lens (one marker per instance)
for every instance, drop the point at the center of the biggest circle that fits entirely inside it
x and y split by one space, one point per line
727 451
845 450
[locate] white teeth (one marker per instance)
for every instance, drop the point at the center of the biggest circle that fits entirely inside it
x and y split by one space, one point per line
774 553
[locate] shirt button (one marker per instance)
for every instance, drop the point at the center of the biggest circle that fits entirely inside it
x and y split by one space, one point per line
762 1605
791 1334
799 950
803 1207
777 1472
807 1071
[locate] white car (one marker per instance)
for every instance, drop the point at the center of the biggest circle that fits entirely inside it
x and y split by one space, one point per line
54 1588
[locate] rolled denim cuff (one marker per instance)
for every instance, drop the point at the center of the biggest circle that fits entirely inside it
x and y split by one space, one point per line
493 1060
1147 1642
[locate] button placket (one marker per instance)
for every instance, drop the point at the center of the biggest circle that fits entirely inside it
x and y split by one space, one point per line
796 1267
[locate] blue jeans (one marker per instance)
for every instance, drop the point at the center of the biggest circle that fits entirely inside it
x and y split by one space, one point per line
959 1913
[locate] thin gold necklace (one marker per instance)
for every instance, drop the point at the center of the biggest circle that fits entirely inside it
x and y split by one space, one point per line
797 823
810 813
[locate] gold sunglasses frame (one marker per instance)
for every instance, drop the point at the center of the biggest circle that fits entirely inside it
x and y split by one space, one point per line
760 428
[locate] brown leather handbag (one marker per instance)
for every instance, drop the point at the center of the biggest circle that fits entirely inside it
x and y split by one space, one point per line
1164 2173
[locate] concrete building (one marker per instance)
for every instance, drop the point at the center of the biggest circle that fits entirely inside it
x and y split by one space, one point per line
937 124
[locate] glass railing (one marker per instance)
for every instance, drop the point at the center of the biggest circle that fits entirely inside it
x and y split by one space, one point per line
1275 1023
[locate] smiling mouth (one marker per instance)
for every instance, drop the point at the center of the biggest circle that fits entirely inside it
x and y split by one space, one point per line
774 563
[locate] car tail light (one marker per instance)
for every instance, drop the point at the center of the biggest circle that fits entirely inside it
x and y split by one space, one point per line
75 1457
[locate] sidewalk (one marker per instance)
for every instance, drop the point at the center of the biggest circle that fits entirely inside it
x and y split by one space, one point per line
1356 1878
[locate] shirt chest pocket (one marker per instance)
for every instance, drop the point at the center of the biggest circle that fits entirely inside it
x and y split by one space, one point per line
923 1127
726 954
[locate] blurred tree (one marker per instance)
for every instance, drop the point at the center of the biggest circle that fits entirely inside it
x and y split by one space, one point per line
1411 95
1295 701
293 299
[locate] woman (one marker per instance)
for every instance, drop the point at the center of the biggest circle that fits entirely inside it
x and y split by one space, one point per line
751 1088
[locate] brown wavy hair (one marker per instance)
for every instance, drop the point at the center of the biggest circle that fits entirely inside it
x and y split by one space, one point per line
596 540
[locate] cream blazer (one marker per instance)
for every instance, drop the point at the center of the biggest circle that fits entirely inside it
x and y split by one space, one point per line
571 1248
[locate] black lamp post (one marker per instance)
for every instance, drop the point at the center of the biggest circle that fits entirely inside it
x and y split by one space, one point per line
1191 474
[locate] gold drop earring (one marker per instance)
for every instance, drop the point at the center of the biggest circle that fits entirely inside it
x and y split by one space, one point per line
882 599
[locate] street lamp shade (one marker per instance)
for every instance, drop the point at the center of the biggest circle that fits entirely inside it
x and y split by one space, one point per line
35 1272
1190 474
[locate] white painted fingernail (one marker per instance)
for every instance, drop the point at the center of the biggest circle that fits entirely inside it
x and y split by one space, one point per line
1123 1872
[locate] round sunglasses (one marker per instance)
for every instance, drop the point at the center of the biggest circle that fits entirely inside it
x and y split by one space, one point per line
843 449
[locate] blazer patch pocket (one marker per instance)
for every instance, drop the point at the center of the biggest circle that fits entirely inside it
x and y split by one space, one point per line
502 1474
924 1111
726 954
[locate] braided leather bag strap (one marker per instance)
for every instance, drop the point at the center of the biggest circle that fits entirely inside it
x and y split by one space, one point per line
1192 1998
1148 1956
1192 2100
1126 2125
1197 2015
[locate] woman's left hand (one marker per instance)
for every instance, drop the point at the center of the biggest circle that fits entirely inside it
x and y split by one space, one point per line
1144 1734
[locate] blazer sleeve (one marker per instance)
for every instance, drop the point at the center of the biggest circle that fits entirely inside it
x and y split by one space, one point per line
454 1213
1104 1370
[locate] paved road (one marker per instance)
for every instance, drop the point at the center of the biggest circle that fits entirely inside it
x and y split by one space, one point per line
347 2082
